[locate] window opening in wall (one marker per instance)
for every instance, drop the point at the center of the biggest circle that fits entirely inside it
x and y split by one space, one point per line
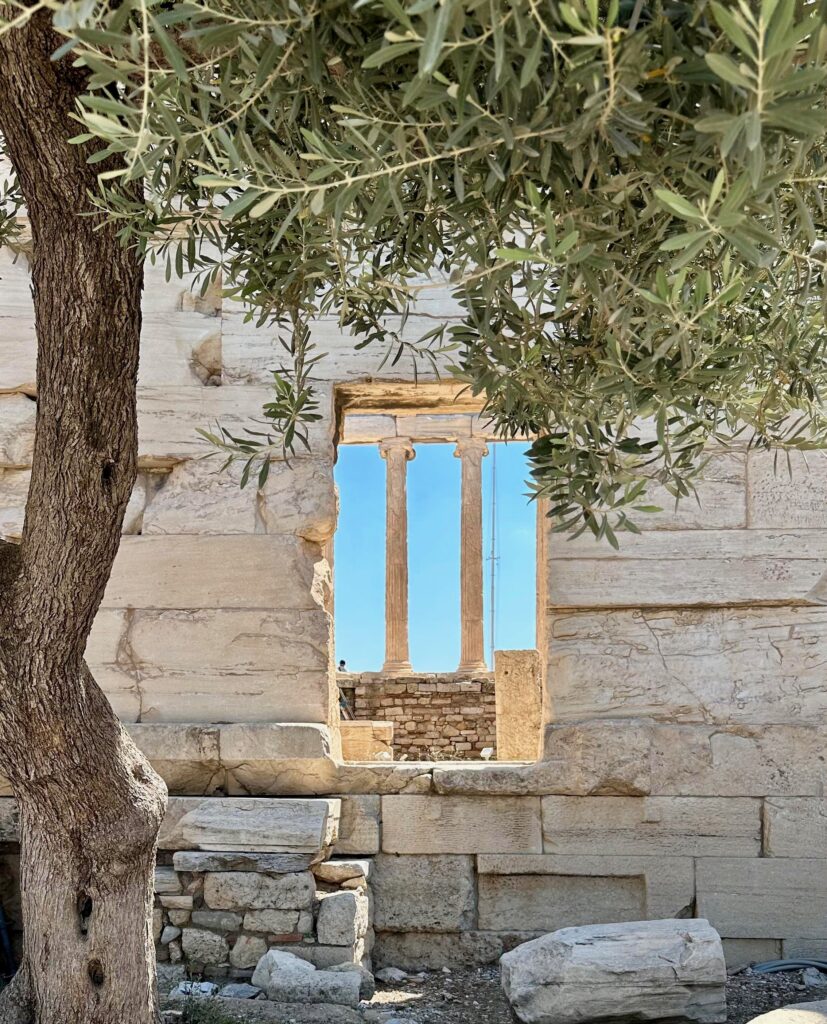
416 656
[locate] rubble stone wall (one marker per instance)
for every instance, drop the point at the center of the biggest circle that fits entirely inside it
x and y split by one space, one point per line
435 717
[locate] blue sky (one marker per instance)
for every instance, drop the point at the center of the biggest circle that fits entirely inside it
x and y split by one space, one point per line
433 555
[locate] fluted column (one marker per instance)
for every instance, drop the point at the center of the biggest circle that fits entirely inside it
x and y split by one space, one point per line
472 643
397 452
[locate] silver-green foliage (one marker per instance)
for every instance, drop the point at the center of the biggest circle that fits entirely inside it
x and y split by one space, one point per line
627 199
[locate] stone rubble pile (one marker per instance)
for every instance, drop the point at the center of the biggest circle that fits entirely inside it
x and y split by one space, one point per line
637 971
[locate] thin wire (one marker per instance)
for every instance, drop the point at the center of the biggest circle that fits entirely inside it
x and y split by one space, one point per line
493 559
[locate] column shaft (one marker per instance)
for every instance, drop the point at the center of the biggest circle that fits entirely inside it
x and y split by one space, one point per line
396 451
472 642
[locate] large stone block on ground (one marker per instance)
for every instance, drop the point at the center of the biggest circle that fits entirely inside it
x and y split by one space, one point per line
650 970
243 890
796 1013
423 893
747 665
436 824
255 825
768 897
672 826
706 567
548 891
286 978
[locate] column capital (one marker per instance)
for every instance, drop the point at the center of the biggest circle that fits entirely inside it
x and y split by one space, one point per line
397 445
471 446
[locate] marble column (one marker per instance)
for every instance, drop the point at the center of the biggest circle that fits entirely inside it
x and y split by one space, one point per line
472 643
397 452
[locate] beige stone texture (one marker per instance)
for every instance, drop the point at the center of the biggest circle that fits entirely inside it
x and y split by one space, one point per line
652 826
278 826
412 824
814 1012
366 741
343 918
740 953
359 827
795 827
276 922
17 417
250 890
782 496
686 567
247 951
423 893
739 665
768 897
205 948
518 687
664 885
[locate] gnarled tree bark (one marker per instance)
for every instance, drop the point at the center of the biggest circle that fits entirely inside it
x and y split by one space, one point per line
90 804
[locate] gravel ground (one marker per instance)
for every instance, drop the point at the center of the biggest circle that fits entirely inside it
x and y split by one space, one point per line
474 997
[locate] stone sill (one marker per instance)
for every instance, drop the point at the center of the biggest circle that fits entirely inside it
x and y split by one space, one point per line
355 678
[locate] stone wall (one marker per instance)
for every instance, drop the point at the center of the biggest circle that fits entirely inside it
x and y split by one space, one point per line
435 717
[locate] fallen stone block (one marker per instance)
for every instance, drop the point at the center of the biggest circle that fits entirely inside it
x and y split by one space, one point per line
287 979
246 1011
796 1013
265 863
367 985
637 971
343 918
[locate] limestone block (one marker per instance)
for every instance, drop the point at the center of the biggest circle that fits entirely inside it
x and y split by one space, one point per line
264 863
288 979
751 665
519 703
240 890
423 893
367 984
256 825
808 949
707 567
740 953
343 918
167 882
327 777
157 923
185 756
253 1011
247 951
667 883
619 972
180 349
769 897
547 902
276 922
795 826
782 497
17 420
325 957
413 824
203 947
359 828
277 573
14 491
367 428
814 1012
366 741
220 920
300 498
169 418
412 951
337 871
652 826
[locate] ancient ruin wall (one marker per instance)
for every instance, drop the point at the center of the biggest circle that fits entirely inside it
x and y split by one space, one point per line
435 717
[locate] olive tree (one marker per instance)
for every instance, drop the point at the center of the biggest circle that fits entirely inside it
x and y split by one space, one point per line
626 201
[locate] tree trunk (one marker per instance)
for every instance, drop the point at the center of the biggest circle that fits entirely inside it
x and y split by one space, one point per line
90 804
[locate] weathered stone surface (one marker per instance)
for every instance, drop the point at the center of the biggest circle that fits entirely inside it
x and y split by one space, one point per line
707 567
667 882
676 826
342 918
275 922
808 949
367 741
337 871
265 863
221 920
325 957
795 826
750 665
14 491
167 881
240 990
203 947
17 419
423 893
245 1011
745 952
767 897
367 984
519 705
415 952
9 821
796 1013
257 825
412 824
780 500
619 972
286 978
238 890
185 756
359 830
330 779
721 499
247 951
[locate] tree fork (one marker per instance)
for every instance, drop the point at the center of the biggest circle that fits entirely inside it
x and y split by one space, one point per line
90 804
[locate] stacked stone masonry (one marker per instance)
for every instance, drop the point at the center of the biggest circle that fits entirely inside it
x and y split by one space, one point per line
435 717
